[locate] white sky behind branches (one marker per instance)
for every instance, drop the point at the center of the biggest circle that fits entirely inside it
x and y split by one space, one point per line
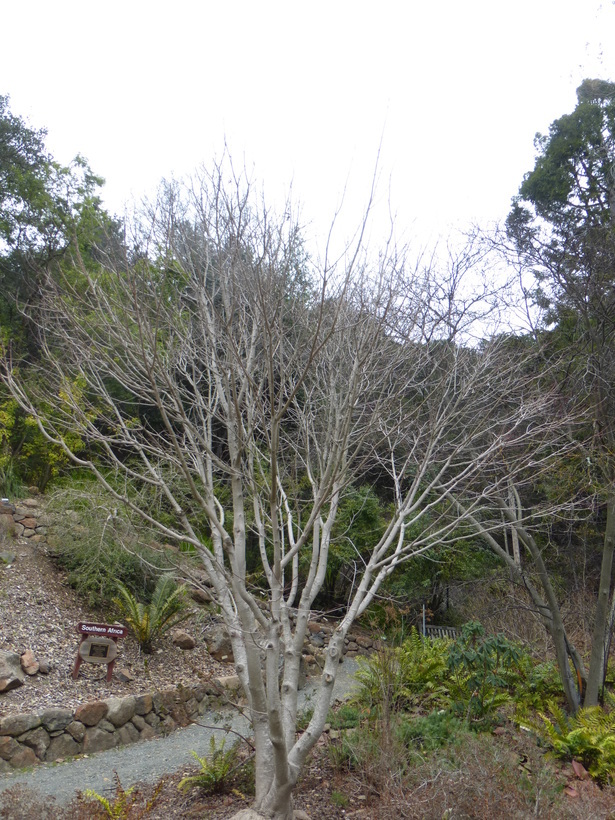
305 93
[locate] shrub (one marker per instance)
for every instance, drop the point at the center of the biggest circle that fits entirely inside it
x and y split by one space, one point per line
482 671
588 736
98 547
127 803
216 768
425 734
398 678
148 621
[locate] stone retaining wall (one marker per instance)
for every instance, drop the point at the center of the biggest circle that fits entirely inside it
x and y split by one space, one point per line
57 733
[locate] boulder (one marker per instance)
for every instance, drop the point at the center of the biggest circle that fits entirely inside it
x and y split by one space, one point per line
56 719
120 710
91 713
29 664
24 757
11 673
16 725
183 640
38 740
62 746
98 741
219 644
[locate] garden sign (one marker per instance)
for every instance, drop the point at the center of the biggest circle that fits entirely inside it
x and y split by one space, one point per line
98 645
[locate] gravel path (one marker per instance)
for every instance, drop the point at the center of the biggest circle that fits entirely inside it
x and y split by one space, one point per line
147 761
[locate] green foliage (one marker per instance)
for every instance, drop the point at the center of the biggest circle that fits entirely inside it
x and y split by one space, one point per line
346 717
534 685
588 736
480 668
339 799
398 678
216 768
425 734
25 452
97 545
11 485
126 805
148 621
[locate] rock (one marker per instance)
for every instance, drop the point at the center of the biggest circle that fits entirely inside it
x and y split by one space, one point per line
16 725
8 747
183 640
200 596
96 740
62 746
314 627
76 729
143 704
56 719
138 722
128 734
299 814
6 558
44 666
106 726
91 713
180 715
364 642
29 523
29 664
219 644
152 720
11 673
230 682
24 757
38 740
121 710
168 725
124 675
147 733
6 508
317 640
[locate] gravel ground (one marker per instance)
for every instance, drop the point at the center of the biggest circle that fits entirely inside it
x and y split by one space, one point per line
147 761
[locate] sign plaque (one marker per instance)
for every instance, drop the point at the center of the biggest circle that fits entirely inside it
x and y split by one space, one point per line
98 645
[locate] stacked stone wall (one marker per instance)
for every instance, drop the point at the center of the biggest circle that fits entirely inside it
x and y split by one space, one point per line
58 733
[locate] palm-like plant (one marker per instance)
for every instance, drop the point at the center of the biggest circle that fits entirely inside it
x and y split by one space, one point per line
166 609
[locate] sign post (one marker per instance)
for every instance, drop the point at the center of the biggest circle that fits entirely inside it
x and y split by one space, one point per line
98 645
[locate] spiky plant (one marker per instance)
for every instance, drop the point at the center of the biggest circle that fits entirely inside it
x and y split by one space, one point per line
216 768
148 621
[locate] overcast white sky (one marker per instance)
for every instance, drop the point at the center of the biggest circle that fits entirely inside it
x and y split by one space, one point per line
304 92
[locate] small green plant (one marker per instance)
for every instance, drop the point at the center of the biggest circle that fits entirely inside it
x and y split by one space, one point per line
216 768
481 670
127 803
588 736
412 674
347 716
339 799
425 734
166 609
11 485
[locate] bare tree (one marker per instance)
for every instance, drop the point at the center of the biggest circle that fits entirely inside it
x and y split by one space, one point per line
248 390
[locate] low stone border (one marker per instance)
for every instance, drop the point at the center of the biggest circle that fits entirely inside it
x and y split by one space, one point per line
57 733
